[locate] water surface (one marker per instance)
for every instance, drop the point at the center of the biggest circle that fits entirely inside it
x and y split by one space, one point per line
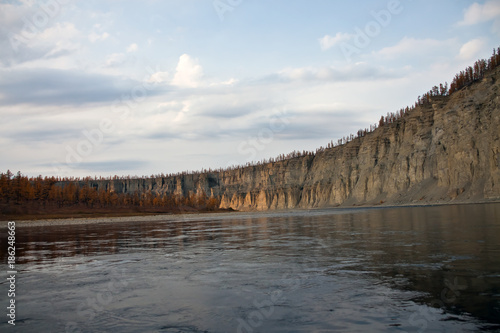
420 269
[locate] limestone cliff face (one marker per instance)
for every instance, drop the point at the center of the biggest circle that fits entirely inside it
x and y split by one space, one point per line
446 151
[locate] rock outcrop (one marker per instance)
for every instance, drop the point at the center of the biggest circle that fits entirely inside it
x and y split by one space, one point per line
444 151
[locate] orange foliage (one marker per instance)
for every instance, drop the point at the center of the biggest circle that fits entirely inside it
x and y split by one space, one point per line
31 194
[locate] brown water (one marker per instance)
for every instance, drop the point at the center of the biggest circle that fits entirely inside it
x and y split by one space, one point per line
421 269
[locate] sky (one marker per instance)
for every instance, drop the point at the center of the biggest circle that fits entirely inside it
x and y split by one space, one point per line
108 87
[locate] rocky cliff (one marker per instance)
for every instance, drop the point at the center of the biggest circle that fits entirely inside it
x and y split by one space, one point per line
444 151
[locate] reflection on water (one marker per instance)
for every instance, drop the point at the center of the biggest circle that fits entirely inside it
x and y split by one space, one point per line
395 269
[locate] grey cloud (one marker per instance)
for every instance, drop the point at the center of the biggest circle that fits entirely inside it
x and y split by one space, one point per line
43 135
200 133
62 87
304 125
107 166
293 125
330 74
228 112
10 57
163 135
19 35
333 124
114 166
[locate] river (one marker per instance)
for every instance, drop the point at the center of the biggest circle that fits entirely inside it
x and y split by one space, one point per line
406 269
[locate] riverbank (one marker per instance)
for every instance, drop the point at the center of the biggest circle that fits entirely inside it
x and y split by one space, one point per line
115 219
191 216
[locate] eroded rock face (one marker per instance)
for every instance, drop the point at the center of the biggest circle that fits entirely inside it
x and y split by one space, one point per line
446 151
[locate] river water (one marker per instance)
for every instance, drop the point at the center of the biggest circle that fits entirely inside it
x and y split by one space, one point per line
410 269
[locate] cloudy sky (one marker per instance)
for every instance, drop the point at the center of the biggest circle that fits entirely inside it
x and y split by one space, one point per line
144 87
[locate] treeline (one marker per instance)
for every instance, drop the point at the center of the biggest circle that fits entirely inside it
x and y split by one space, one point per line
20 195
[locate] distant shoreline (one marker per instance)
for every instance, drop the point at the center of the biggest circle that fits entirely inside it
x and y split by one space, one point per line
115 219
211 215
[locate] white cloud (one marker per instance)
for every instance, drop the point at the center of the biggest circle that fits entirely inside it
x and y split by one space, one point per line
327 42
132 48
170 106
115 59
94 37
356 72
478 13
299 73
158 77
61 37
412 46
471 49
230 82
23 41
53 47
11 15
188 72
